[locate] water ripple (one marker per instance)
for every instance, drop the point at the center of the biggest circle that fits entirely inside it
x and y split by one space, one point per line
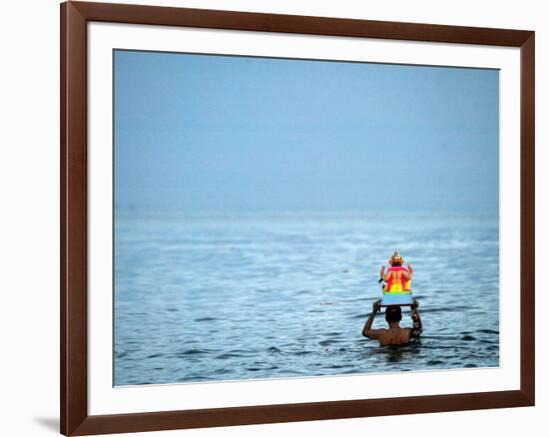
205 298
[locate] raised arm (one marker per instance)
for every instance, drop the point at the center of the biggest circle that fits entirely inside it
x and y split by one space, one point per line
367 329
416 330
383 275
409 273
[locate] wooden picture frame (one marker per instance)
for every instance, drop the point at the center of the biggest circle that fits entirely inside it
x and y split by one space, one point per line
75 419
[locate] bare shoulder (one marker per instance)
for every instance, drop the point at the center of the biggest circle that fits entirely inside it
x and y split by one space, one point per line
406 334
374 333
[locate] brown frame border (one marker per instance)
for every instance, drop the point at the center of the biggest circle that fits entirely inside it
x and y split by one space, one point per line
74 409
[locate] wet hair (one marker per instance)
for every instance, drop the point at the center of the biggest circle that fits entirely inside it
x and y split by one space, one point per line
393 314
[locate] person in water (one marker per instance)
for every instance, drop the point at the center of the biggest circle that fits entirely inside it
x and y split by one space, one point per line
398 278
395 335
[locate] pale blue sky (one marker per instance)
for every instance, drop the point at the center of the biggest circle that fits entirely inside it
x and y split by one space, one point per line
219 133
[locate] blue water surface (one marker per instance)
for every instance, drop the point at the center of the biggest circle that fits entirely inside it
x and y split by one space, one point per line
204 297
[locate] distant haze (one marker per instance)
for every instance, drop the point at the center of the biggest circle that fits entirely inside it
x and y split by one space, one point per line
219 133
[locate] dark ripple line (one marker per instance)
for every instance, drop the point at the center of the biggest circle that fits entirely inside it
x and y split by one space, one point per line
488 331
155 356
192 352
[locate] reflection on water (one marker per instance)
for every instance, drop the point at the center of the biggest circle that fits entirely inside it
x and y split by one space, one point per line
207 297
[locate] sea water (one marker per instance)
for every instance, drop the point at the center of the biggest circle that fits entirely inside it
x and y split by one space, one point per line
209 297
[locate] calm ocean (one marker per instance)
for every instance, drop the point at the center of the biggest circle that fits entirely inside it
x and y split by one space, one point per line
228 297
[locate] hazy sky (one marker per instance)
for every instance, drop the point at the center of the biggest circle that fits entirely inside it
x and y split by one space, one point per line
218 133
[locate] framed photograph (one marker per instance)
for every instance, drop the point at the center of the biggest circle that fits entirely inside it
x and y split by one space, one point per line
273 218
